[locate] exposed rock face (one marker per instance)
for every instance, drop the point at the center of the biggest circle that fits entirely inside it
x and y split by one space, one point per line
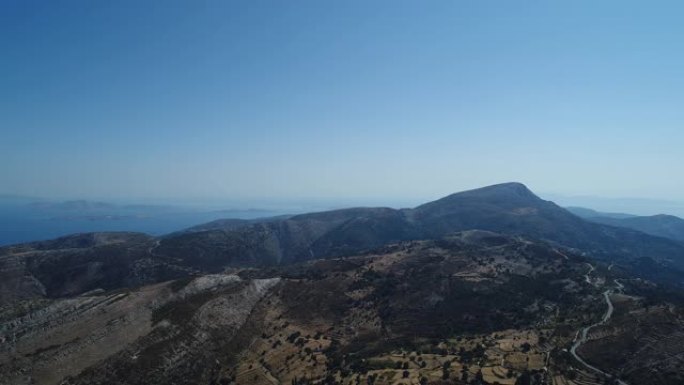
69 335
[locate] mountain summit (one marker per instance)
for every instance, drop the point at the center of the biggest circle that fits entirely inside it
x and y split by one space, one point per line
506 196
510 190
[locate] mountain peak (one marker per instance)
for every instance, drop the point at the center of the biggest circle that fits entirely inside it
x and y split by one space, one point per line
510 188
666 217
511 191
499 198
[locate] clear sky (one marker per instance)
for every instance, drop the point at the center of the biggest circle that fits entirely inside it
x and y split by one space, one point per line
340 99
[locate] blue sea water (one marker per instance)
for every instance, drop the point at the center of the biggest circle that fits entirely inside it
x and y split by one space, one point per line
25 222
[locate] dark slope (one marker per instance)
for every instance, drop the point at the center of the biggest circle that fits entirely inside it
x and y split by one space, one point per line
82 262
666 226
508 208
232 223
302 237
513 209
586 213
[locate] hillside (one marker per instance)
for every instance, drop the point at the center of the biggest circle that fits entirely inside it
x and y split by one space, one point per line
666 226
586 213
508 208
82 262
76 264
475 305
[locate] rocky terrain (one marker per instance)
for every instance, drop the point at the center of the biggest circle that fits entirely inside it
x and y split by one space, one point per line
474 307
482 287
643 341
64 337
80 263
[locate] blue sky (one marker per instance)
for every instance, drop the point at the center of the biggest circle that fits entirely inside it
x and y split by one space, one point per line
369 100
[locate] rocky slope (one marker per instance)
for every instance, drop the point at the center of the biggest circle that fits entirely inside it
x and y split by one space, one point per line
475 305
80 263
149 332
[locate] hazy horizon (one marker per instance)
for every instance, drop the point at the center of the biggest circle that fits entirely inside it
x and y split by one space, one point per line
25 219
378 102
295 205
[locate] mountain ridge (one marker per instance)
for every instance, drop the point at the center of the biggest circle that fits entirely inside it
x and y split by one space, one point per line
508 208
660 225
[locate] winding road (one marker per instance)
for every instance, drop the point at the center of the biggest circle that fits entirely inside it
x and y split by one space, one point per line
586 276
151 249
583 333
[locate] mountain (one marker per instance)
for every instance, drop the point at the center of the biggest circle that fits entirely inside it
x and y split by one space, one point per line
511 208
483 286
666 226
508 208
586 213
474 307
53 269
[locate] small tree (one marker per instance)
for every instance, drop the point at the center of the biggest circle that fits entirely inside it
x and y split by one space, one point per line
524 379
